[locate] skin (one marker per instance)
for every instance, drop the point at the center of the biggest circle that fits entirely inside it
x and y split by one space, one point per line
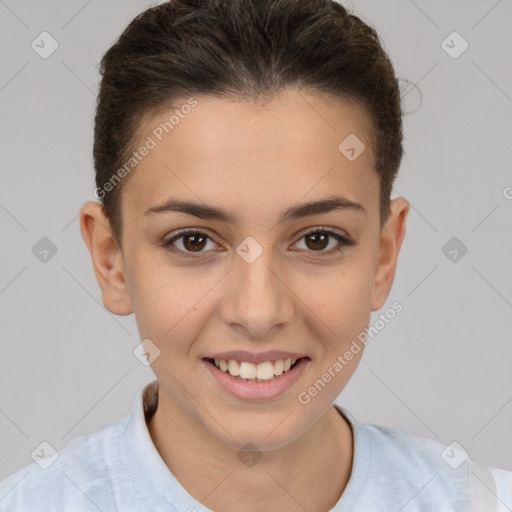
255 160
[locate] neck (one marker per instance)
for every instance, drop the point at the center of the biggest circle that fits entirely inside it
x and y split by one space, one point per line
308 474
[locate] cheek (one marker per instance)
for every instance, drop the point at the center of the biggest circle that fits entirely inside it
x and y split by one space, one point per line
169 302
342 299
165 300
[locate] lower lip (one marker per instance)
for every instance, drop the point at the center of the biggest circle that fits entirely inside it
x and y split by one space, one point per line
258 391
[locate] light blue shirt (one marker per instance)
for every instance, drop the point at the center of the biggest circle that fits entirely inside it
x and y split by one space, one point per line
119 469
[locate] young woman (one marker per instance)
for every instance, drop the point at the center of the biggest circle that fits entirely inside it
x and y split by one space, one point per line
245 152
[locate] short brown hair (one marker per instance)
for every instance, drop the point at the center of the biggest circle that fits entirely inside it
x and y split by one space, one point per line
246 49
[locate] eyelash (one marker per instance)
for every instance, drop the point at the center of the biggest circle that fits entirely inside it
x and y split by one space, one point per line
343 242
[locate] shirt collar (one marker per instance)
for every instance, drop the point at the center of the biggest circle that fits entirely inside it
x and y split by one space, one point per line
147 478
145 482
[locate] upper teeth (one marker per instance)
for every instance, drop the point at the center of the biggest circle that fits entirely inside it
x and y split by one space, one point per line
261 371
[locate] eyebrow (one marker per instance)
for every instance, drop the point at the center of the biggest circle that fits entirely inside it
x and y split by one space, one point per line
204 211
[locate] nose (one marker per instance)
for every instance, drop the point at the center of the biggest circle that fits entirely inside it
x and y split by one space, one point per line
257 299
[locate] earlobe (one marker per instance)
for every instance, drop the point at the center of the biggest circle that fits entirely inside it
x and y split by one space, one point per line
392 235
107 258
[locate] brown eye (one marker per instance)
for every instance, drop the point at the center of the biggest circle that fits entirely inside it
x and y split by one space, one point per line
192 243
319 240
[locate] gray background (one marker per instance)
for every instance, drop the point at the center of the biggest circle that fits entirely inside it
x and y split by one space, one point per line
440 369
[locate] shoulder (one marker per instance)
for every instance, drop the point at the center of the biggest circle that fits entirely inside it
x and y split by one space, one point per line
421 452
435 469
503 487
79 474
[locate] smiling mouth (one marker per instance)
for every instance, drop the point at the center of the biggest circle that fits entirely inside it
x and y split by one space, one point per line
249 372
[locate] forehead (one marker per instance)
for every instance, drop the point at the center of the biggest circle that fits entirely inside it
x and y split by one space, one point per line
252 154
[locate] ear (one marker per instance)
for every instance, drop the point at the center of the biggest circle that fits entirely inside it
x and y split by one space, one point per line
392 234
107 258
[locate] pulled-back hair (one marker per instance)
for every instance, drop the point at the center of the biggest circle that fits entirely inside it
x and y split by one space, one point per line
246 49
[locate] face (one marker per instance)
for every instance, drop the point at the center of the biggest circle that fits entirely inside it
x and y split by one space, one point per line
262 278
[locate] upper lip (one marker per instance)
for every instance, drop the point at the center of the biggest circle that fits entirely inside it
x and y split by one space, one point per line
251 357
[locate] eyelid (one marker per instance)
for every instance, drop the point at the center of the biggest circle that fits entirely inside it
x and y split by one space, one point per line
327 229
168 241
204 231
343 239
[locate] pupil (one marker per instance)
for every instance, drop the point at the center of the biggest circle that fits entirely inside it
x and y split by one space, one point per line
323 238
196 244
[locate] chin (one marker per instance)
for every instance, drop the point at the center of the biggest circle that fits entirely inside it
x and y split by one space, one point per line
266 434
